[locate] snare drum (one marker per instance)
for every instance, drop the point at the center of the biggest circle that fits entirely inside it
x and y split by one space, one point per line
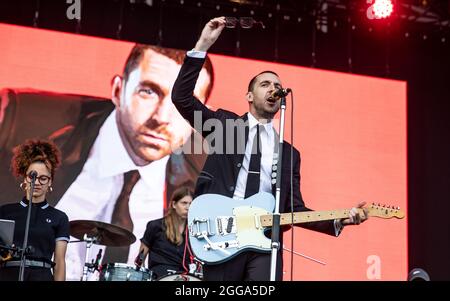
124 272
179 277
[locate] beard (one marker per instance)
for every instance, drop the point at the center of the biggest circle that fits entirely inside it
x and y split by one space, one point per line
264 111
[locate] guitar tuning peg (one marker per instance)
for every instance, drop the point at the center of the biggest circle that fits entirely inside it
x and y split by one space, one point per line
398 208
388 206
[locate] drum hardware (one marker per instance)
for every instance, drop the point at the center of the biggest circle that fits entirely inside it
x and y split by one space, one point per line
99 233
89 242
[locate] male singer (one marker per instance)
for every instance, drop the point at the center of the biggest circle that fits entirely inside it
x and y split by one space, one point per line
246 171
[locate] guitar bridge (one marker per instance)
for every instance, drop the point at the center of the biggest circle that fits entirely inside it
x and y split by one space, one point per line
200 227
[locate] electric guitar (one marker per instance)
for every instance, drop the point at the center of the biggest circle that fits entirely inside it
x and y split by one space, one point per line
221 227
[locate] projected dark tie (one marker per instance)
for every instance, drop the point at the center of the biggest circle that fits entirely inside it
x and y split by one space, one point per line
254 168
121 217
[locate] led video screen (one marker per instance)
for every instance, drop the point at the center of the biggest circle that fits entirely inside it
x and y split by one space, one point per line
350 131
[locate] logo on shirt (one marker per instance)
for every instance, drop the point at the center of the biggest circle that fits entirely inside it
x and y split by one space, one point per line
48 220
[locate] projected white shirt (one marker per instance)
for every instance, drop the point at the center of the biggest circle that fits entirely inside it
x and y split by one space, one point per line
267 149
93 194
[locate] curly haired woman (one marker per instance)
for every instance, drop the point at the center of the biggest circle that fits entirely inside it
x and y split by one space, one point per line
49 227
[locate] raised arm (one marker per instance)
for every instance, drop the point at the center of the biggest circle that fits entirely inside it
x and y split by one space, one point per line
183 90
210 33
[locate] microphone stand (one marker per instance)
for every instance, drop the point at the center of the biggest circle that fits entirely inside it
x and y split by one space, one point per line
276 214
27 228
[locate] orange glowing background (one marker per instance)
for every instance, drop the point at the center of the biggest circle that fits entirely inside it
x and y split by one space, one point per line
350 130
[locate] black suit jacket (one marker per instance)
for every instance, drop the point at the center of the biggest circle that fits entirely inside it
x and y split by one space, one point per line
220 172
73 123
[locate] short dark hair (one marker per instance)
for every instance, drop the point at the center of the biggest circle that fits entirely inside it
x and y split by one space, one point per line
138 51
252 82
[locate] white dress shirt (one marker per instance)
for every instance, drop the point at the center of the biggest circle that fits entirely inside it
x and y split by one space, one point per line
267 149
92 196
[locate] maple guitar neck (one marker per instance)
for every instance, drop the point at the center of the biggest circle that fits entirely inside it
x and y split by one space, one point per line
315 216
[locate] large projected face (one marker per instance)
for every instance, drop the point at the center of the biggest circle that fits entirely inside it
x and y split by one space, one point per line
149 124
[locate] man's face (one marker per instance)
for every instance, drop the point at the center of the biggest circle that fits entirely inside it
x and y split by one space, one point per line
149 123
262 105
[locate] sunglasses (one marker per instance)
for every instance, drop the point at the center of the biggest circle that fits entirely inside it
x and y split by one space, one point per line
243 22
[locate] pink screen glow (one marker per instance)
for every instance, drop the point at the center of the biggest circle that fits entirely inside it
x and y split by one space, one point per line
350 130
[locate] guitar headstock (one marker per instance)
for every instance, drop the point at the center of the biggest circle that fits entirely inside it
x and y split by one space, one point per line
385 211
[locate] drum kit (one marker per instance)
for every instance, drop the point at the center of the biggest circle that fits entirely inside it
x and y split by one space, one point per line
100 233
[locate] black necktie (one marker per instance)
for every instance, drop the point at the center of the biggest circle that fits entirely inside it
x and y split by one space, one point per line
121 217
254 168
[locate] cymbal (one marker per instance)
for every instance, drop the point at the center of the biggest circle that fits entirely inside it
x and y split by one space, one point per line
103 233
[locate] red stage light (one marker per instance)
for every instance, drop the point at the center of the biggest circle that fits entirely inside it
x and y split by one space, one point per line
382 8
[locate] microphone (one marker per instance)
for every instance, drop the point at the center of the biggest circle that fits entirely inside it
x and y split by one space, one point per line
278 93
33 175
